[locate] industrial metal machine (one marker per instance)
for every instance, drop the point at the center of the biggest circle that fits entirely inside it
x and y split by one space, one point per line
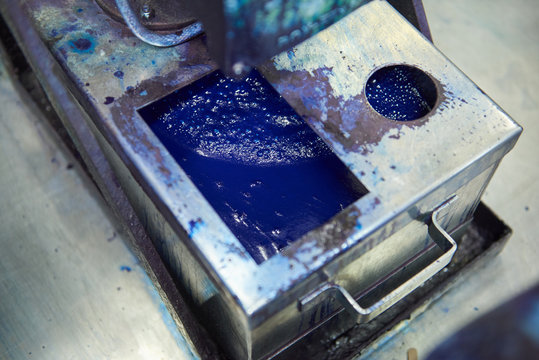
291 163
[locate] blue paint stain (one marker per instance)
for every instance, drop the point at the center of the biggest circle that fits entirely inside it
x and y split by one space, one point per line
401 92
108 100
194 226
445 310
262 168
153 62
119 74
143 93
125 268
68 29
84 44
290 54
79 10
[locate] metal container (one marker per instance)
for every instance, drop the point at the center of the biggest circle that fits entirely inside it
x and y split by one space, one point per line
424 177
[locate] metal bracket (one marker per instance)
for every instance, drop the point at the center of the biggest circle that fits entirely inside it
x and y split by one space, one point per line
152 37
363 314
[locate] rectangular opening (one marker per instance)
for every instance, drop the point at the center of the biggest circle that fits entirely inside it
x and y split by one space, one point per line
262 168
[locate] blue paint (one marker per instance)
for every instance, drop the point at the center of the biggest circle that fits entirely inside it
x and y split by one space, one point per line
290 54
194 226
84 44
143 93
262 168
401 92
125 268
108 100
119 74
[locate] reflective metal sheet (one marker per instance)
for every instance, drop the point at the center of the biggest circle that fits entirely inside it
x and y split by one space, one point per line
69 286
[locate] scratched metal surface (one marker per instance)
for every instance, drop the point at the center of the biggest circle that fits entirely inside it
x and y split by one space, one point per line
69 286
497 46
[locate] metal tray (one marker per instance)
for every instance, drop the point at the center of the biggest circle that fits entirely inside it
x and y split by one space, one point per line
414 195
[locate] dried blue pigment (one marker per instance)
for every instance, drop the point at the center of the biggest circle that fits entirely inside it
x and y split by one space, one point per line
401 92
262 168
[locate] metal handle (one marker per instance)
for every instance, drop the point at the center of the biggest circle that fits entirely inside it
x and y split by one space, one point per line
438 235
152 37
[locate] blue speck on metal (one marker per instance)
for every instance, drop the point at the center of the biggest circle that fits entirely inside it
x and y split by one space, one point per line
195 226
82 44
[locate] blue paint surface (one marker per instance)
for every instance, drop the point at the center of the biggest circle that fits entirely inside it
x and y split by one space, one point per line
84 44
125 268
262 168
401 92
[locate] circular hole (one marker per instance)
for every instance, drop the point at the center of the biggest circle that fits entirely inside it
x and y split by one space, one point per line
401 92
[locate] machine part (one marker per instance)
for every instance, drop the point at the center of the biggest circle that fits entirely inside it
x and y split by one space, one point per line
162 15
151 37
446 154
482 240
364 314
250 32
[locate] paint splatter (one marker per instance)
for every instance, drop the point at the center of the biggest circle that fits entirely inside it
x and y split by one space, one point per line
83 45
194 226
125 268
108 100
119 74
